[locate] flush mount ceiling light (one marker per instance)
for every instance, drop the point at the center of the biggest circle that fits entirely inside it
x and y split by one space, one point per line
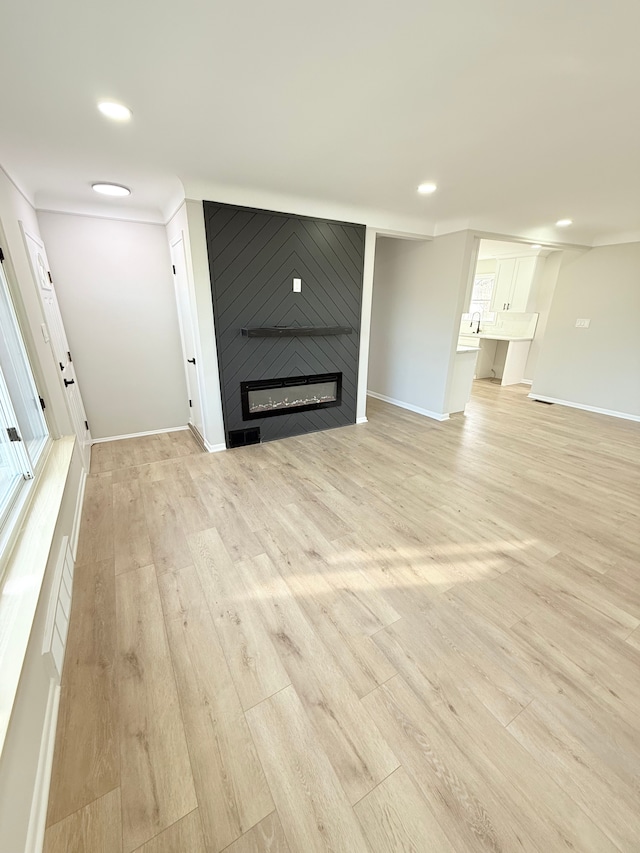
427 188
562 223
111 189
118 112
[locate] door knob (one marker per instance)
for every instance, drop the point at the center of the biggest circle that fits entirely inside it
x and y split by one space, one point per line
68 382
191 360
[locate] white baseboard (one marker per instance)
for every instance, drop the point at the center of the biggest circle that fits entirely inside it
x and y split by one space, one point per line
202 441
195 432
137 434
437 416
362 420
214 448
526 381
77 517
624 415
40 799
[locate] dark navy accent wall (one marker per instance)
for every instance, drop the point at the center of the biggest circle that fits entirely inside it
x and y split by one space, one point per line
254 255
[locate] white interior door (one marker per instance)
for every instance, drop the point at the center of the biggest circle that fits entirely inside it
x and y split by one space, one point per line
59 344
186 322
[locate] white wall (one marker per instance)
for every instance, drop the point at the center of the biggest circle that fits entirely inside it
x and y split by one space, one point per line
188 222
539 303
419 292
202 284
115 287
598 366
365 323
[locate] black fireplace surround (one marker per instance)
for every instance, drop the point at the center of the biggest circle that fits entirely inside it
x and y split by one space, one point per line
277 347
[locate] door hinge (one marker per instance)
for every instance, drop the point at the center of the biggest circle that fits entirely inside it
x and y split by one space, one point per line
190 404
12 432
86 424
61 365
173 266
69 354
1 256
50 279
42 404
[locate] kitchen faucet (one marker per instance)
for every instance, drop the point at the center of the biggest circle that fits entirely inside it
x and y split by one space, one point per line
479 313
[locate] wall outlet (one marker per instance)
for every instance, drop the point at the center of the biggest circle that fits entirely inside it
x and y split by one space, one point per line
297 285
583 324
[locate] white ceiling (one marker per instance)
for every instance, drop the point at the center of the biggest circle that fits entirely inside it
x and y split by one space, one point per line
522 113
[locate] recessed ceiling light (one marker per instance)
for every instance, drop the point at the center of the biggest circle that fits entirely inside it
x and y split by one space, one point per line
111 189
536 246
562 223
118 112
426 189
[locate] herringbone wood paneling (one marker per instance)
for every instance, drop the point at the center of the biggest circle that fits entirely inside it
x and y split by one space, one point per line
254 256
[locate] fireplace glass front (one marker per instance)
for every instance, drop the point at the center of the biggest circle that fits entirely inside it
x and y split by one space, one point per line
268 397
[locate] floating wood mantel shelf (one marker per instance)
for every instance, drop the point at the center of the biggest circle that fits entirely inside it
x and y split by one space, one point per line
295 331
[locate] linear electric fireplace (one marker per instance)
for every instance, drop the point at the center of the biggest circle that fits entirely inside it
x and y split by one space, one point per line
268 397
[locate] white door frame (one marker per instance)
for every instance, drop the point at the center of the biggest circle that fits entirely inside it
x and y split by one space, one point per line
178 248
58 336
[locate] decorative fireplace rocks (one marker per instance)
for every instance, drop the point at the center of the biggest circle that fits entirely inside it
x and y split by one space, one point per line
288 356
270 397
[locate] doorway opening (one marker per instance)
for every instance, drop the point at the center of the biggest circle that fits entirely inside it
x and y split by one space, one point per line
511 290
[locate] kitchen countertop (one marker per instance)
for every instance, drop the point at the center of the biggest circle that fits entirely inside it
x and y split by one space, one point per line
493 337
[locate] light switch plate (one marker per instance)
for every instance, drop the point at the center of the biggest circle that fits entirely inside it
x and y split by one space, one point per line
297 285
582 324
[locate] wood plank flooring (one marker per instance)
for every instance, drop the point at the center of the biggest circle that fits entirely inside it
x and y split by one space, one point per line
399 636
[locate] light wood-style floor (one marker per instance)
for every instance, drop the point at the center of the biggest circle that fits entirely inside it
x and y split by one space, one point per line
401 636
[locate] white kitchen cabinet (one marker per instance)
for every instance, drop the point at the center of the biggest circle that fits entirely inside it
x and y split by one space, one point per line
522 281
502 289
514 277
